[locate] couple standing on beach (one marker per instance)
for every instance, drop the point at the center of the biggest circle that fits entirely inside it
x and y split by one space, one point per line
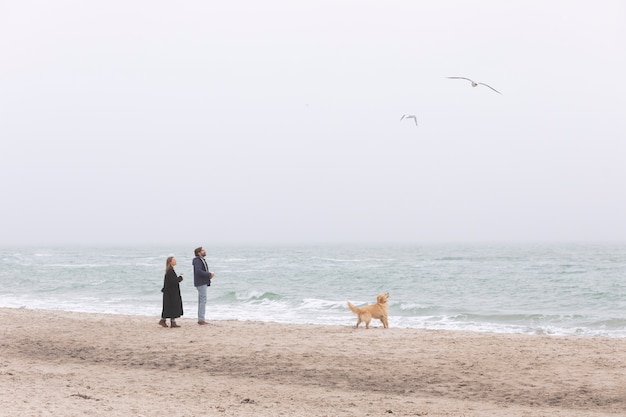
172 300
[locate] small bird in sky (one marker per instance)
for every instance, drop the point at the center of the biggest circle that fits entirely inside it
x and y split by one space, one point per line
409 116
474 83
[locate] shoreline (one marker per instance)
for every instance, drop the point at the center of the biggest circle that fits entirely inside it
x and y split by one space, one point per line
70 363
350 320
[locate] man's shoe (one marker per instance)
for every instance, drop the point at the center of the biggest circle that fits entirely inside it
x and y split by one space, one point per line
202 323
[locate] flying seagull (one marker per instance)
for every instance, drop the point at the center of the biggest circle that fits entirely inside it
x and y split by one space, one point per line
474 83
409 116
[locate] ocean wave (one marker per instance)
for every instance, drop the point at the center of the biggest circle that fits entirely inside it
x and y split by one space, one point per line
316 304
77 266
250 296
451 258
243 260
343 260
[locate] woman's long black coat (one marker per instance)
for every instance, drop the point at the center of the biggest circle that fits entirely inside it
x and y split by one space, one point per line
172 301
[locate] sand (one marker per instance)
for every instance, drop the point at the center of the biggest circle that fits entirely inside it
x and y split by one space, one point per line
77 364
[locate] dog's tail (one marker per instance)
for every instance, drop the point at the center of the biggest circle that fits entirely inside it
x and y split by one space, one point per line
354 309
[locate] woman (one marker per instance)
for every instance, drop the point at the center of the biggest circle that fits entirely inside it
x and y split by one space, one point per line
172 301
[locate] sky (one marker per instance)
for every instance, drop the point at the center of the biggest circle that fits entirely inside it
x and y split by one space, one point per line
278 122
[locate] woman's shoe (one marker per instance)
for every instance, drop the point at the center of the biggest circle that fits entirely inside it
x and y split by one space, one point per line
163 323
174 324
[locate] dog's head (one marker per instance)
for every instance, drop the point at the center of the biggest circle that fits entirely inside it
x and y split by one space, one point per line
382 298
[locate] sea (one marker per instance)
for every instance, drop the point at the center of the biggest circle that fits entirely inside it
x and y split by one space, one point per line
539 289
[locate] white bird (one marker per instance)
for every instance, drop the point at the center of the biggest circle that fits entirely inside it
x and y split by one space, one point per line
409 116
474 83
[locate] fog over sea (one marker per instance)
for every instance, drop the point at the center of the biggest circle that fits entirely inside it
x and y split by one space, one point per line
556 289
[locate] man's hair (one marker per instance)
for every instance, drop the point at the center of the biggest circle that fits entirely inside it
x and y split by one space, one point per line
197 250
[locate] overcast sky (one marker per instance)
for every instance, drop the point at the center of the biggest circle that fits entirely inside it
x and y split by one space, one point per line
132 122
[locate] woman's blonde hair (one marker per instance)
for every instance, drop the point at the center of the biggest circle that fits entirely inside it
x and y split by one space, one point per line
168 263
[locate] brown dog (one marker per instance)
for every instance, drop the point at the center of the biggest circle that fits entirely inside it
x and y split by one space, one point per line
372 311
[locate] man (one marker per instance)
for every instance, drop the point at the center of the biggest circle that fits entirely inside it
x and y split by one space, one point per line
201 280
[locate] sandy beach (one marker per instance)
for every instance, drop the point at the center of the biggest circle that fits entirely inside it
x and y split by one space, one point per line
73 364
